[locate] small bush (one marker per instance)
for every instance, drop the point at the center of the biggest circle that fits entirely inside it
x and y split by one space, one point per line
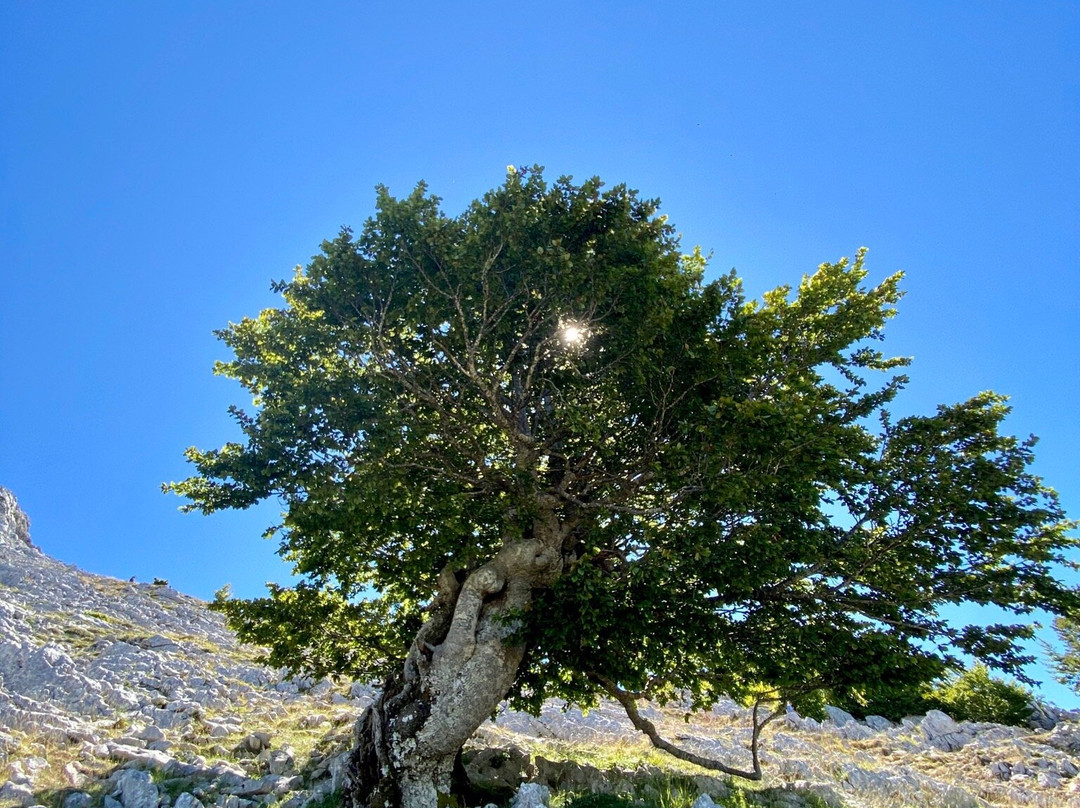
975 695
893 703
970 695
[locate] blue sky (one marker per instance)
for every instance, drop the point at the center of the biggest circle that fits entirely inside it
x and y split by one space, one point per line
161 164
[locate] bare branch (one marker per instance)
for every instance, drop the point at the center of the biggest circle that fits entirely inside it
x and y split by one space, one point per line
629 703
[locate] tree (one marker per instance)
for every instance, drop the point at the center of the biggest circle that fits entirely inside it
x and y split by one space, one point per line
529 452
1067 663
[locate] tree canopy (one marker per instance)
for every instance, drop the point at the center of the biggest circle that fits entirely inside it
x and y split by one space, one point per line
738 512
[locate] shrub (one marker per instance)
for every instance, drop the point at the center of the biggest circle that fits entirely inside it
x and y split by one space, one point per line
893 703
969 695
975 695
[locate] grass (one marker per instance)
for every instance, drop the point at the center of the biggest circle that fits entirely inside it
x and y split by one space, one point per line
675 791
666 791
621 755
644 777
51 784
77 632
173 786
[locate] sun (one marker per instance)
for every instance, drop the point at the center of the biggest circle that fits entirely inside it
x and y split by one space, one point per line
573 334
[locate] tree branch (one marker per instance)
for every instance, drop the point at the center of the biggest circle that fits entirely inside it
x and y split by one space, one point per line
628 701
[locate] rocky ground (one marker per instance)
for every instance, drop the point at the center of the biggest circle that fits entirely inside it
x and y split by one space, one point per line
131 695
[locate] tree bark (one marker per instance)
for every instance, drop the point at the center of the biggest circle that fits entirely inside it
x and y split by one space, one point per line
462 663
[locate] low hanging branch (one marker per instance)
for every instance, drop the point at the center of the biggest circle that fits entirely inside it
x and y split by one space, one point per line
629 703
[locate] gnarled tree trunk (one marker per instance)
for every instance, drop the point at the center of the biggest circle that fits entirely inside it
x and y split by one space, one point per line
461 665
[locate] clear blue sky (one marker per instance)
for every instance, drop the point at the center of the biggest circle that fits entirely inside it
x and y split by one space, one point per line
161 163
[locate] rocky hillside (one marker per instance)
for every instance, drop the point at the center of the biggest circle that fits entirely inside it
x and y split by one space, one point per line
131 695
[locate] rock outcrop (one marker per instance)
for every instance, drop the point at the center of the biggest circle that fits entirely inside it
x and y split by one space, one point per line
14 524
115 694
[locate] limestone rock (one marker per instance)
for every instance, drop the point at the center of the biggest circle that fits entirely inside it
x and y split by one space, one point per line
531 795
136 789
1065 737
14 524
76 799
499 767
1043 716
338 766
822 790
299 799
877 722
854 731
73 776
17 793
144 758
944 733
270 784
837 716
1048 780
253 744
957 797
571 776
280 761
151 734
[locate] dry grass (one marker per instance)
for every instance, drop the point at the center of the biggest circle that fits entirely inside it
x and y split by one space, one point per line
67 764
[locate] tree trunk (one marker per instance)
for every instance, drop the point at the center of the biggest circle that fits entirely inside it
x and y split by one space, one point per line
462 663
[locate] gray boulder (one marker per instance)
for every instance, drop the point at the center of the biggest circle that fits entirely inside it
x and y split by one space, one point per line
151 734
1042 716
136 789
837 716
274 784
17 793
76 799
879 723
1065 737
253 744
280 761
499 767
944 733
531 795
